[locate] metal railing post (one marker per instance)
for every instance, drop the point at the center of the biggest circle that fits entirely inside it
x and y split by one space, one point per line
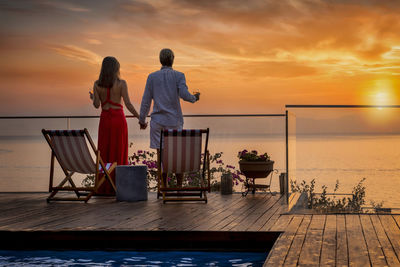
287 157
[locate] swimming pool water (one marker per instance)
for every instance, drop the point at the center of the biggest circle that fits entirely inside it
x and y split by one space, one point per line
130 258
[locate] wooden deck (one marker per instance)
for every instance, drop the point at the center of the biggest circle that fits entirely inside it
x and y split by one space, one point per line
222 213
336 240
306 240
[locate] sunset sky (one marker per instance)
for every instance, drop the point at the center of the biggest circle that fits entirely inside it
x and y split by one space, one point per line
244 56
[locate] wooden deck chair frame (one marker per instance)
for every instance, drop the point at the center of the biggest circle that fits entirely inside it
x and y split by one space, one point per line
198 193
100 169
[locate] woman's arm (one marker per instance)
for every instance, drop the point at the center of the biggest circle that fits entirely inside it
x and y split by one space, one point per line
127 101
96 97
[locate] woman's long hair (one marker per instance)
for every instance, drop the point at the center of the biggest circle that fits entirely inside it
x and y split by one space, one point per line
109 72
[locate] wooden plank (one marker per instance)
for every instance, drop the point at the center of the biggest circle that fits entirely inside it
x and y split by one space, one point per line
40 213
374 247
57 213
328 252
272 222
297 244
199 216
148 215
227 216
261 218
342 256
317 222
392 231
279 251
358 253
218 216
397 219
270 217
282 223
178 220
311 251
270 210
248 217
94 218
103 216
18 214
388 250
172 215
165 218
202 218
182 215
19 204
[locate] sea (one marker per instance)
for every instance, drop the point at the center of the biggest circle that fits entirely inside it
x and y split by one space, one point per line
327 158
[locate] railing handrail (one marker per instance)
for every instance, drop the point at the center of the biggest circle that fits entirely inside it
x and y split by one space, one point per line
342 106
130 116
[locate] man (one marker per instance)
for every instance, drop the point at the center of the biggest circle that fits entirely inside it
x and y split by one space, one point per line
165 87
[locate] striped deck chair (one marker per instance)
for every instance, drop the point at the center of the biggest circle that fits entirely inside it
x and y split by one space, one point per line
181 152
70 149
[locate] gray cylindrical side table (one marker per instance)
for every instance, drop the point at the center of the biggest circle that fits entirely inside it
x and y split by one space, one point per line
131 183
226 184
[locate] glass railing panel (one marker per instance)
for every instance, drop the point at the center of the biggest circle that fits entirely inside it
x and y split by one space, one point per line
25 155
349 144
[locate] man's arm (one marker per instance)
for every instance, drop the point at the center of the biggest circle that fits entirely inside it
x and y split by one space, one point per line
183 89
146 101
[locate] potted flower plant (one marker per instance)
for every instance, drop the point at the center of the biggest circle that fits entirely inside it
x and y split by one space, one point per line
255 165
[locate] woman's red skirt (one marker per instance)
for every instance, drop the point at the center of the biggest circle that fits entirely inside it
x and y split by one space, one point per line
113 143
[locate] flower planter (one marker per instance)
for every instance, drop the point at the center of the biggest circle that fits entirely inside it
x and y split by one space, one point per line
256 169
253 170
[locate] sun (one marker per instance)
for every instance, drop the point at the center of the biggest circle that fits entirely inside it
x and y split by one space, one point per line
382 93
381 99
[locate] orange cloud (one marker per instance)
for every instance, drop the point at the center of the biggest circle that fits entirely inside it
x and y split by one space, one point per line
252 54
77 53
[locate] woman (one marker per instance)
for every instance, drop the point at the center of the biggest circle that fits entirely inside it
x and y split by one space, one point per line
113 132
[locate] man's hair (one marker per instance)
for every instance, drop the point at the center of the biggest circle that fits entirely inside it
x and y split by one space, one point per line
166 57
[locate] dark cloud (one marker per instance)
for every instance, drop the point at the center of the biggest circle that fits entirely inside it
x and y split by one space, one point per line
41 6
138 8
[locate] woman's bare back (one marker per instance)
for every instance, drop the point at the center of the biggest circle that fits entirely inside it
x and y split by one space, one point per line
115 95
118 91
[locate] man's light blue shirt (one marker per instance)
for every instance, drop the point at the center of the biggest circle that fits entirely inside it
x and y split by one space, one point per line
165 87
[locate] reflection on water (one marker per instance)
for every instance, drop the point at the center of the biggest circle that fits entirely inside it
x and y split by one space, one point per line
130 258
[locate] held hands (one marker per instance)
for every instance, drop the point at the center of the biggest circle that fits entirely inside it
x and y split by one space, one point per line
143 126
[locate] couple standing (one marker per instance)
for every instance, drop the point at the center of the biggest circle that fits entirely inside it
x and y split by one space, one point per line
164 87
